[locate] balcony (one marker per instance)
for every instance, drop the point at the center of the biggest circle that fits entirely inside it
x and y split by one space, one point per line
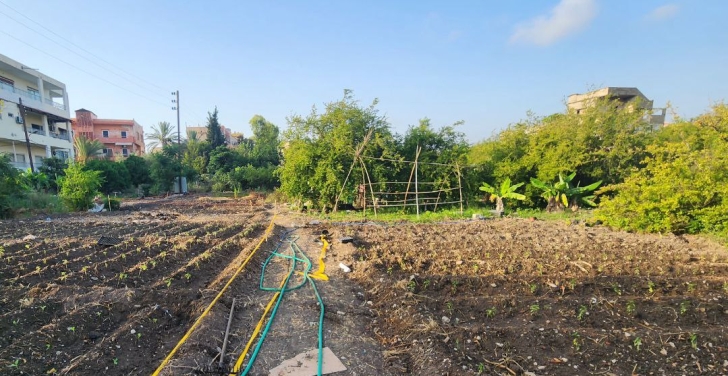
60 136
119 140
34 100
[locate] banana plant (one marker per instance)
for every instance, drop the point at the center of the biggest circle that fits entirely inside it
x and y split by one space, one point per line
506 191
562 194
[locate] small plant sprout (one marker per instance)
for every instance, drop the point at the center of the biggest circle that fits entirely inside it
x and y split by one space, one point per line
694 341
725 287
449 307
139 336
84 270
617 290
481 368
37 269
581 313
576 341
490 312
188 276
690 286
116 361
684 307
425 284
15 364
651 287
42 308
411 285
454 285
637 343
71 329
64 276
122 276
534 308
533 287
630 307
168 282
16 321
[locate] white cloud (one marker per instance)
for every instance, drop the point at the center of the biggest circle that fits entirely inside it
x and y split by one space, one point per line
567 17
663 12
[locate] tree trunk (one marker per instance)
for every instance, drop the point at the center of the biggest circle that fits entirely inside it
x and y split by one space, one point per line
499 207
552 205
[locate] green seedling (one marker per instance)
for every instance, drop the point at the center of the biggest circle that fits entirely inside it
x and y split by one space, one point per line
637 343
42 308
616 289
576 342
534 308
16 321
48 346
725 287
684 307
651 287
630 307
168 282
139 336
691 286
581 313
490 312
449 307
481 368
122 276
533 287
694 341
64 276
71 329
116 361
426 284
188 276
37 269
15 364
411 285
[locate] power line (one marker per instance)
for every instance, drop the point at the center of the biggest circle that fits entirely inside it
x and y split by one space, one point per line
84 71
79 47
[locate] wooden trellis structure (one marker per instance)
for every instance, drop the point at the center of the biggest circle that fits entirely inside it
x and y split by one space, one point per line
415 193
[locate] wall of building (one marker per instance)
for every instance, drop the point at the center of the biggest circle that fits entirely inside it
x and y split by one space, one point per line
46 139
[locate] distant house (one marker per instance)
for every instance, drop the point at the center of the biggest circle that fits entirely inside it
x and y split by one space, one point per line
121 138
626 96
47 118
202 134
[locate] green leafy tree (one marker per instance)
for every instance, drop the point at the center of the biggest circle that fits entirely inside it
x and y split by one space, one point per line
265 142
86 149
214 133
36 181
162 135
11 186
505 191
115 177
164 168
53 168
79 186
318 151
138 169
684 185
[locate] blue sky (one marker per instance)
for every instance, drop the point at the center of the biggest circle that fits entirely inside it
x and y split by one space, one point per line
483 62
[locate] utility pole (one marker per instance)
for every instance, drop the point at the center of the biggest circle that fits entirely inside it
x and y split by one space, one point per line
25 130
179 139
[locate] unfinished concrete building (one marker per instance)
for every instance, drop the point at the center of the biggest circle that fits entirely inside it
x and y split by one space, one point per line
627 97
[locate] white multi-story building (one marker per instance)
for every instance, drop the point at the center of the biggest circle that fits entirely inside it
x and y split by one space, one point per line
47 116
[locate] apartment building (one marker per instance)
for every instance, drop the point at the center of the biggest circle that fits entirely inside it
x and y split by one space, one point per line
121 138
202 134
626 96
44 110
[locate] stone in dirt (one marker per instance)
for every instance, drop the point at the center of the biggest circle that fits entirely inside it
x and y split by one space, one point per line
305 364
346 239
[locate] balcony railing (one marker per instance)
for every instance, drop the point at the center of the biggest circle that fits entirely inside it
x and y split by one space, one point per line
36 131
31 95
60 136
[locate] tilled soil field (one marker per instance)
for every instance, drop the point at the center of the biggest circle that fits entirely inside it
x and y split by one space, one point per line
494 297
520 297
69 305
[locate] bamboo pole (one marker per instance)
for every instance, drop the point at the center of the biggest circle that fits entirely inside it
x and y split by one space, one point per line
364 167
417 194
460 187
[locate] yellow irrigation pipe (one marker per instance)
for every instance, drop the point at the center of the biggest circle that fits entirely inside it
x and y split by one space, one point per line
239 363
209 307
319 274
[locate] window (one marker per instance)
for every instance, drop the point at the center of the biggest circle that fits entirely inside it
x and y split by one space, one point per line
7 81
37 129
105 134
34 93
125 152
123 134
108 152
18 158
38 160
